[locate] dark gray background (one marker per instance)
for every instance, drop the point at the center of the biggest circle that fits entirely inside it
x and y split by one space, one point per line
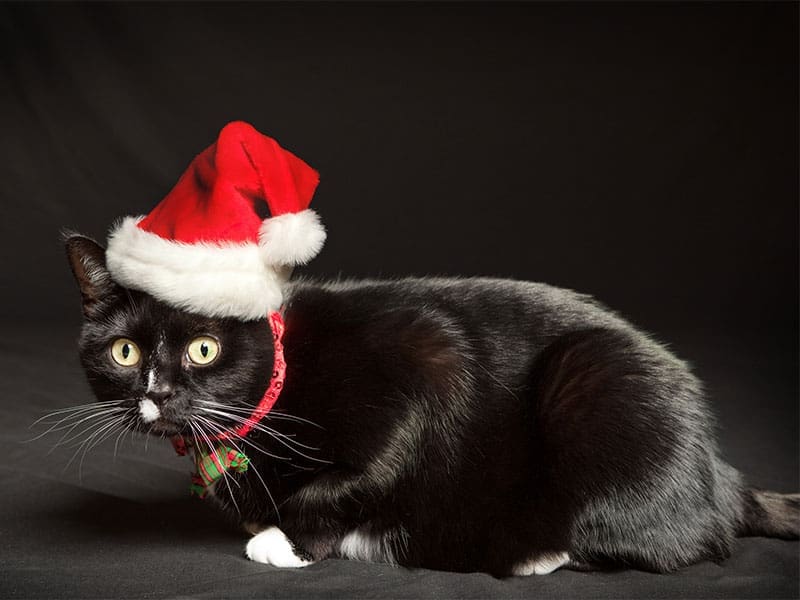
644 153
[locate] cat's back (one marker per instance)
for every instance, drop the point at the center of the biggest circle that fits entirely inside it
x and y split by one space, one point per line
509 306
473 324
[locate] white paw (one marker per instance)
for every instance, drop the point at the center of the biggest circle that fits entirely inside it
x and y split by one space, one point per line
542 565
272 547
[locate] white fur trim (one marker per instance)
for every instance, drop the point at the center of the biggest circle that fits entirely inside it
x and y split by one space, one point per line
217 280
292 238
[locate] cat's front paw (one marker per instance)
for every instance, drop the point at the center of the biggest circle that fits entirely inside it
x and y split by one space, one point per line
272 547
543 564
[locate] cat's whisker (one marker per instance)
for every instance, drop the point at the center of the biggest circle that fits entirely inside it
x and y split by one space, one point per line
215 450
220 430
56 427
261 449
233 417
91 431
68 436
70 409
252 465
120 422
121 436
68 425
216 430
287 442
275 414
272 414
221 405
64 422
147 437
242 410
98 428
288 438
225 475
202 437
99 436
260 427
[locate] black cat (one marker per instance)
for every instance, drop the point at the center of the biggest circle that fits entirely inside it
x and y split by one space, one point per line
457 424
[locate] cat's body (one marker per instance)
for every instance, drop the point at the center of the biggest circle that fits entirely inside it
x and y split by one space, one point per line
457 424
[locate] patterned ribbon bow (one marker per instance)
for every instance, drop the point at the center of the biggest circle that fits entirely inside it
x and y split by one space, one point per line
212 465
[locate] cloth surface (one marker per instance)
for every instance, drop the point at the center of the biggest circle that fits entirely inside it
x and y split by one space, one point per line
122 524
645 153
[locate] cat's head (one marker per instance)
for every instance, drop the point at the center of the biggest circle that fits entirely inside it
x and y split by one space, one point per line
169 369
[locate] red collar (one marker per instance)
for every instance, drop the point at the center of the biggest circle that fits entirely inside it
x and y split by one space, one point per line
269 398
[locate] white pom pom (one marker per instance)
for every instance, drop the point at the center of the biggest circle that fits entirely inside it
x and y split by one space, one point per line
292 238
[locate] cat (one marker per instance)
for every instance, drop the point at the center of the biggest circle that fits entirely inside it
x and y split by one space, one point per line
471 424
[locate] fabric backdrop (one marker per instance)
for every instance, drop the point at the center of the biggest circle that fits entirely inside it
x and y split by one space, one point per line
644 153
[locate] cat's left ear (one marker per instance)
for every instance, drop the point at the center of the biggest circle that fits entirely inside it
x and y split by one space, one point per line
88 262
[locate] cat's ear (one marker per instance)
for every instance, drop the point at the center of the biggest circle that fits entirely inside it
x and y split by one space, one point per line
88 262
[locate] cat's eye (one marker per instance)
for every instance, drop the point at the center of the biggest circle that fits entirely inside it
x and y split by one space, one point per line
203 350
125 352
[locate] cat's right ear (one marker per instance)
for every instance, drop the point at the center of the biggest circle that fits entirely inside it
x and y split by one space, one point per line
88 262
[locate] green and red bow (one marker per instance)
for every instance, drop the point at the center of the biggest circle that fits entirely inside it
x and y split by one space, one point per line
211 465
213 462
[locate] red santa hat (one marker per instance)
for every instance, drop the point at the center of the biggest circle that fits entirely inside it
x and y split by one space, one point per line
205 248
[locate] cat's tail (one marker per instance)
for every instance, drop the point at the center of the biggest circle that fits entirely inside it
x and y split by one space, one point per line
770 514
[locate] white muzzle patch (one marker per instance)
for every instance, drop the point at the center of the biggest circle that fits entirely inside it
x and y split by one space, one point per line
149 410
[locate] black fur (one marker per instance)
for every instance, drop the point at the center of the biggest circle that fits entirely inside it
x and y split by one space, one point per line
466 424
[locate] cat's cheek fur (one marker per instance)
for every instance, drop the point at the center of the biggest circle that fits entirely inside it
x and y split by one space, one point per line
272 547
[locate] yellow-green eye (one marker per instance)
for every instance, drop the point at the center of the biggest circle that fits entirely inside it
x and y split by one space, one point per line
125 352
203 350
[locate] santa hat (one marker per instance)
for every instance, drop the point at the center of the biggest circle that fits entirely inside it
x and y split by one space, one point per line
205 247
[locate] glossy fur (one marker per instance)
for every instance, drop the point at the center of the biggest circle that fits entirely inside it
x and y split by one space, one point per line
457 424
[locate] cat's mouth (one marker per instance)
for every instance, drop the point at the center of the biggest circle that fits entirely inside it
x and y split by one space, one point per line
165 427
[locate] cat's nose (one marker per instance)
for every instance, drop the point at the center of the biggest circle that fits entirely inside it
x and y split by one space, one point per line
160 393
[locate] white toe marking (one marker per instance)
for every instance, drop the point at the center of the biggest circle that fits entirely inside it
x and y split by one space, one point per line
542 565
272 547
149 410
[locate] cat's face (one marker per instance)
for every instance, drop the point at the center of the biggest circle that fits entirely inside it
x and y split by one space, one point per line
173 371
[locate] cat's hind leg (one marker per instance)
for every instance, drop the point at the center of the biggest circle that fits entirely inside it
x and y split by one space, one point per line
623 457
